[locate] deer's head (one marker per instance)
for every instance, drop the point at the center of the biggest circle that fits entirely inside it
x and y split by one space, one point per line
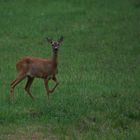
55 44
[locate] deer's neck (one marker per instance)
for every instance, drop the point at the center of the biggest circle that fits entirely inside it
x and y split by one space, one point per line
55 58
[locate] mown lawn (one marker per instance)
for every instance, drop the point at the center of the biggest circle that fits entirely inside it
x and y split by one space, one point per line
99 69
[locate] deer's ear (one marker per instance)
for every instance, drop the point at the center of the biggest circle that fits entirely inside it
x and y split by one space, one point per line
49 40
61 39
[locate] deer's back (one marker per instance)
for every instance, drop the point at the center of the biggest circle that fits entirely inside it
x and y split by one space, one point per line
35 67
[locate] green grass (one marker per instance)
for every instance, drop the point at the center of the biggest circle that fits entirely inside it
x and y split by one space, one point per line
99 69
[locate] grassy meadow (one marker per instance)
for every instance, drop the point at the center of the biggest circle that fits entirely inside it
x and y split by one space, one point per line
99 69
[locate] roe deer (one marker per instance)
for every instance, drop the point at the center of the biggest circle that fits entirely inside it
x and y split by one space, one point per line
32 67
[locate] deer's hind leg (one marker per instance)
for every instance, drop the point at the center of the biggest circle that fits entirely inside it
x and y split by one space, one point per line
28 85
14 83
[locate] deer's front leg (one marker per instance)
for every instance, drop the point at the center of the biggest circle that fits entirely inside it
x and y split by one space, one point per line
46 82
57 83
